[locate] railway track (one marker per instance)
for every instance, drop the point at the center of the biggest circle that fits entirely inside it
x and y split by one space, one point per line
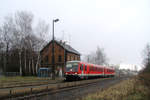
69 86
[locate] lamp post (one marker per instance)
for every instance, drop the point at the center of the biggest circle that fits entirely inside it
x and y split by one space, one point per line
53 56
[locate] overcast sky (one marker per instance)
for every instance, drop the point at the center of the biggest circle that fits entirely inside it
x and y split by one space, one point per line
121 27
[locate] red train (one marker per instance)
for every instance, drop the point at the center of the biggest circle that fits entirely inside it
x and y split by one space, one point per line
79 70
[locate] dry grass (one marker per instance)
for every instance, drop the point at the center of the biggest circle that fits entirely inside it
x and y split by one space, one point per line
131 89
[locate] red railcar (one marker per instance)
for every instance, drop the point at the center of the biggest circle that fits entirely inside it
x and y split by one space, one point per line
79 70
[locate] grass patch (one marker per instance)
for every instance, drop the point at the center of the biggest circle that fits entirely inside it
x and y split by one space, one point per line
136 88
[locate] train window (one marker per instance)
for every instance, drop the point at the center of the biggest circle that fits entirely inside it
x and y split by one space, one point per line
85 67
95 68
100 70
90 68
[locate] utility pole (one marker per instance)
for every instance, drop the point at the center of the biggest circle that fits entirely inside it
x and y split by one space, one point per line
53 50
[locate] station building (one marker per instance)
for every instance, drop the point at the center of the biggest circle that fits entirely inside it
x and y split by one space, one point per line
62 53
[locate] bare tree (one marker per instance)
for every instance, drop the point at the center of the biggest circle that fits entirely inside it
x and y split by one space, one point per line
20 37
1 40
24 27
1 49
42 30
100 56
7 30
97 57
90 58
15 29
147 58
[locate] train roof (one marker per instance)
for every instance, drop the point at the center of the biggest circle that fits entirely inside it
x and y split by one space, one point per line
74 61
85 63
91 64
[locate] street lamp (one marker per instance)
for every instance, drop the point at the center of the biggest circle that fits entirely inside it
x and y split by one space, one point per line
53 56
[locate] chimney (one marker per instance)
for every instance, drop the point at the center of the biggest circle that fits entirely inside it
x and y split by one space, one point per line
60 41
64 43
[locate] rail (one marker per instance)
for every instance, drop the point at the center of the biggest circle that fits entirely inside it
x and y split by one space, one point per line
38 90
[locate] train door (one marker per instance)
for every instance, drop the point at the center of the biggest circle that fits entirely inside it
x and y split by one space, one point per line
81 69
86 71
85 68
103 71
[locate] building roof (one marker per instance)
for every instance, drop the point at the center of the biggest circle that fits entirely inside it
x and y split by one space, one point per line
63 45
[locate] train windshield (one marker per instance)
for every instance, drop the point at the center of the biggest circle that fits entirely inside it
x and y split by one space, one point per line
72 66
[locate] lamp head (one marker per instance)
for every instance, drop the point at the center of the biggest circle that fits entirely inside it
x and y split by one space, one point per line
56 20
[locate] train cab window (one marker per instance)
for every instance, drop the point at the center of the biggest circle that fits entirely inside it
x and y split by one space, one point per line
72 66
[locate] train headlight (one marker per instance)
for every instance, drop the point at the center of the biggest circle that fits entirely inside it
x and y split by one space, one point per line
76 73
66 73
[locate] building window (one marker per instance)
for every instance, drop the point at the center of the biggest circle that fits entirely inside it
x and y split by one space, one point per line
59 58
59 49
41 61
70 58
46 59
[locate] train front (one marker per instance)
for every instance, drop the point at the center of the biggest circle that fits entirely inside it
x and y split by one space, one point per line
71 70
